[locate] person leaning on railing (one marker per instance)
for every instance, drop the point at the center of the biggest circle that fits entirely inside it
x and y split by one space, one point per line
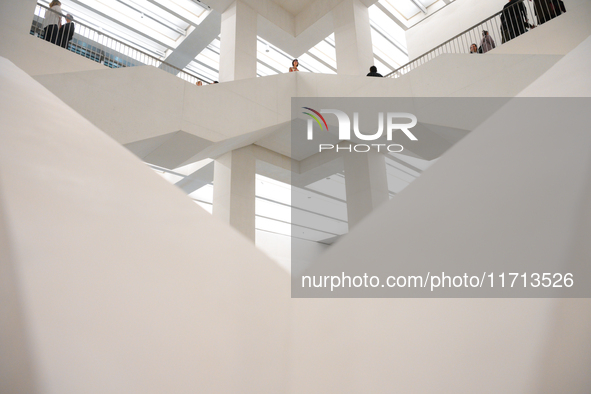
294 65
373 72
66 32
52 22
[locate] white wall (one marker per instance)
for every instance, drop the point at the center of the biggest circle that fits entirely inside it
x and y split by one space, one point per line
17 15
567 78
124 285
283 249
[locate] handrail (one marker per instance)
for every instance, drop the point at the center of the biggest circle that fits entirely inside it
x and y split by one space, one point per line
499 32
446 42
114 53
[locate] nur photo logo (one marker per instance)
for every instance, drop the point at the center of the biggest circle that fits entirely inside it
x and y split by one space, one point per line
390 123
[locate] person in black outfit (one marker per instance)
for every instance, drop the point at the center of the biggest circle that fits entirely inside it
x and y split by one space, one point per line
514 19
548 9
66 32
373 72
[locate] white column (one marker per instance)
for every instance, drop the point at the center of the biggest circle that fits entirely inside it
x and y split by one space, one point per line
352 38
366 184
238 43
234 190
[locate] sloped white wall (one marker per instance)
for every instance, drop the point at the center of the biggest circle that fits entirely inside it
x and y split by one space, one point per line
125 285
567 78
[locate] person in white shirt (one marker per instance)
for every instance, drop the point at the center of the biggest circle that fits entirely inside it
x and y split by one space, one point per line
52 21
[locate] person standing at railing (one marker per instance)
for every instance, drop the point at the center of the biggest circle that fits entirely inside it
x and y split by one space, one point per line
66 32
487 42
514 19
373 72
548 9
52 21
294 65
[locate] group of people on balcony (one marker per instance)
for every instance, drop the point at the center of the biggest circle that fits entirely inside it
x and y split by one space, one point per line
486 44
53 29
514 20
373 71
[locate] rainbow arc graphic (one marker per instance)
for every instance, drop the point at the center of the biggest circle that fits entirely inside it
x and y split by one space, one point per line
316 118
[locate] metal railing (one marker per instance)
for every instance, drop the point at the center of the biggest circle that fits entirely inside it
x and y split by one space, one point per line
99 47
515 19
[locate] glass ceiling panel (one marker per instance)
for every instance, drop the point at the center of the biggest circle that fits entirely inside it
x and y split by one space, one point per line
386 26
274 59
387 52
389 41
158 14
273 190
325 51
263 71
311 201
120 14
405 8
427 3
188 9
309 63
333 186
382 68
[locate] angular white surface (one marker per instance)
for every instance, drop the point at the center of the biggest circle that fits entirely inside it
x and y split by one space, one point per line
470 207
125 285
567 78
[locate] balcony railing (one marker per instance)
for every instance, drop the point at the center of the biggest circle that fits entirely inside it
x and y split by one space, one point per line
102 48
505 25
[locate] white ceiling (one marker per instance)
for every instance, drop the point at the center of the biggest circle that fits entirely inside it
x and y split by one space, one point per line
294 7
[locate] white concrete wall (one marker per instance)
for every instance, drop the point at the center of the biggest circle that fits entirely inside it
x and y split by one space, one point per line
567 78
144 102
17 16
283 249
124 285
38 57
